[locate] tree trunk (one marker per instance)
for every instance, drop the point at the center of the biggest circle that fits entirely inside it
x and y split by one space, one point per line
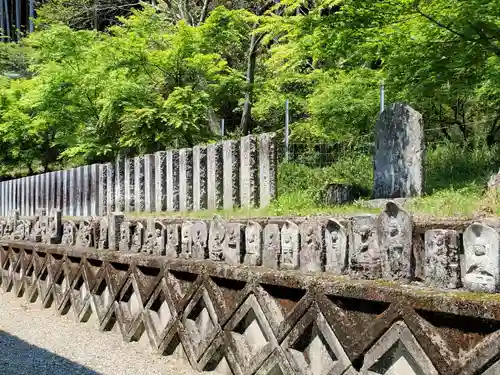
246 117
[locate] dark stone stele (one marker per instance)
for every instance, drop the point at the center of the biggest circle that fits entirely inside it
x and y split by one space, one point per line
338 193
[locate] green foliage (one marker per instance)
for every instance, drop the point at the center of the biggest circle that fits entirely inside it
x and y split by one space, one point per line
99 78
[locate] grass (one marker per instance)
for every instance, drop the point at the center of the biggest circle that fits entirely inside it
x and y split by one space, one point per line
455 181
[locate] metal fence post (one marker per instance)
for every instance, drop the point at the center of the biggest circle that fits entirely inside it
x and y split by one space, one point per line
287 120
382 96
222 128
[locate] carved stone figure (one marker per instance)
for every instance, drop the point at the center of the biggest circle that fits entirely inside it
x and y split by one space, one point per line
69 233
20 231
115 221
482 261
125 237
232 248
27 230
442 259
336 247
311 252
253 248
160 238
38 228
394 234
217 239
51 230
364 257
271 253
137 238
85 235
290 246
12 221
199 236
3 224
103 241
186 240
172 247
149 238
155 238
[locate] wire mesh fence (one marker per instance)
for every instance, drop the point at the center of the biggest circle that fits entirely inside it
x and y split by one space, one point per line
319 155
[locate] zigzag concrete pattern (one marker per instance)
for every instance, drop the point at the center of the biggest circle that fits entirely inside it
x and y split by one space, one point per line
240 320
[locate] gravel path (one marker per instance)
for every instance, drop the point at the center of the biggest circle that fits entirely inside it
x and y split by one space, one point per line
36 341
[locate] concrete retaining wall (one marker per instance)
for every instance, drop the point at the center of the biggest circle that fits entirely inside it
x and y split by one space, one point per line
245 320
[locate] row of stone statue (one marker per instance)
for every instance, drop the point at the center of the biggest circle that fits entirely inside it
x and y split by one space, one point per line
365 246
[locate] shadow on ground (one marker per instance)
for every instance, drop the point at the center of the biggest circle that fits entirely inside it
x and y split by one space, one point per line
17 357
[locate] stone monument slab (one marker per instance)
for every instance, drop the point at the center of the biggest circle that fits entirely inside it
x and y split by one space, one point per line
399 153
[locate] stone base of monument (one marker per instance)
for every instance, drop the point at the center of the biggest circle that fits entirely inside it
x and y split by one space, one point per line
342 193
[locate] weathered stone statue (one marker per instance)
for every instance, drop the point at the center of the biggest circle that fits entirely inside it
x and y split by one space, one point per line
271 252
10 228
52 231
253 248
172 246
115 221
149 240
103 241
232 250
217 240
155 238
336 248
290 246
311 252
85 235
20 231
3 224
27 229
36 235
186 240
199 235
69 233
125 237
394 234
137 238
364 256
481 248
442 259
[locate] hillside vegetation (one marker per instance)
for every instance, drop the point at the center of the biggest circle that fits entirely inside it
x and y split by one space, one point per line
101 78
